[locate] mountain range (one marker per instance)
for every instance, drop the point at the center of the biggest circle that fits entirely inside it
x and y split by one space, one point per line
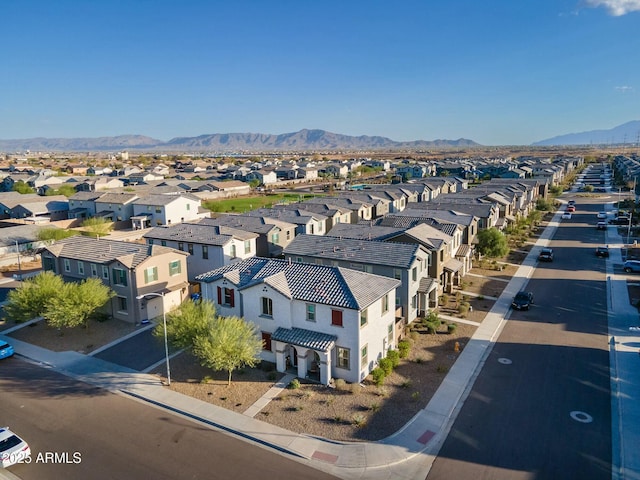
304 140
626 133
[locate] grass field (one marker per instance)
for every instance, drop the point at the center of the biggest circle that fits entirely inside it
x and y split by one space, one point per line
245 204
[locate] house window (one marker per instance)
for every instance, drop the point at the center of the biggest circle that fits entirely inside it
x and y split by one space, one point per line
226 296
336 318
105 272
181 246
397 274
247 246
414 301
150 240
266 341
267 306
67 265
119 276
385 303
80 267
397 297
94 270
158 210
163 243
299 259
151 274
188 206
368 268
343 358
122 304
275 238
48 264
363 317
175 268
190 248
205 252
311 312
414 273
233 250
364 356
390 333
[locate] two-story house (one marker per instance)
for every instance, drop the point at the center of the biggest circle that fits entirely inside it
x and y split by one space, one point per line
152 210
209 246
325 322
129 269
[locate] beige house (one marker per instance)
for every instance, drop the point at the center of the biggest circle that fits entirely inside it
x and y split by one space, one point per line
129 269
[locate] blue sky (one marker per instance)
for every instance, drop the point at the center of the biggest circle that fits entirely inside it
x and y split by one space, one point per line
499 72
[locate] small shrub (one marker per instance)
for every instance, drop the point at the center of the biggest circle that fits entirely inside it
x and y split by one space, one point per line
374 407
480 297
329 400
415 396
394 356
340 384
378 376
386 364
206 379
414 335
442 369
337 419
406 383
403 348
354 388
432 328
295 384
451 328
358 420
382 391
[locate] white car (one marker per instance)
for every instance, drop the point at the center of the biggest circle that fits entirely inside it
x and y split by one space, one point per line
566 215
602 215
12 448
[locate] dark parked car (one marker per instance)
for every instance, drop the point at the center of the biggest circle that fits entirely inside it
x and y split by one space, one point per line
522 301
546 255
619 221
601 226
602 252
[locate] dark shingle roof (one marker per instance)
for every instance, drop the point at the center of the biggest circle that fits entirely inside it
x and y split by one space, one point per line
305 338
307 282
198 233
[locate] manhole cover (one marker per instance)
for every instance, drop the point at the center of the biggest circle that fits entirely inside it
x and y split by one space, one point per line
505 361
581 417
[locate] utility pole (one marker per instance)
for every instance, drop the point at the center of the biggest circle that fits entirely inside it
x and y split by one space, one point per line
19 266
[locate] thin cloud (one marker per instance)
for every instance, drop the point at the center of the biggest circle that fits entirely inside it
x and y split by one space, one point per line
624 89
616 8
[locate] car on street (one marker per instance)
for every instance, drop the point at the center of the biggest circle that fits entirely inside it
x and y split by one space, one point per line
13 449
602 252
6 350
602 215
631 266
571 208
601 226
619 221
546 255
522 300
566 215
571 203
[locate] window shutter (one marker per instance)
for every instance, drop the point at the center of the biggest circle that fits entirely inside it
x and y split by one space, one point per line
232 297
219 296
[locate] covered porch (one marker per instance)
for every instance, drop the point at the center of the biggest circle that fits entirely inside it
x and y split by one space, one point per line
307 351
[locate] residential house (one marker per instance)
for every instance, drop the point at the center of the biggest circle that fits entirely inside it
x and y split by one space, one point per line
129 269
43 209
325 322
306 221
153 210
408 263
116 206
209 246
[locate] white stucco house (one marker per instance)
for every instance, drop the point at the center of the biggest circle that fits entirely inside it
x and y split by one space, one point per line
321 322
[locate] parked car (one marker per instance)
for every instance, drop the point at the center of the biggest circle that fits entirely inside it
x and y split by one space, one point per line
6 350
571 203
601 226
571 208
546 255
631 266
602 252
12 448
523 300
602 215
566 215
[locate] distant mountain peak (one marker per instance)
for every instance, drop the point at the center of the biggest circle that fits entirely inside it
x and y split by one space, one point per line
626 133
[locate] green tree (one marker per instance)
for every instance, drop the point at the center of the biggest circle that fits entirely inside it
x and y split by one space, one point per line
492 243
98 226
74 304
53 233
66 190
187 322
22 187
30 299
230 344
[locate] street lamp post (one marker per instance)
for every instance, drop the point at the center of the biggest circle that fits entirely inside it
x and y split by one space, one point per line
164 324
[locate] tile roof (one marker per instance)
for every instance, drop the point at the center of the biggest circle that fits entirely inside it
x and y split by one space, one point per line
248 223
162 199
398 255
198 233
305 338
307 282
104 251
363 231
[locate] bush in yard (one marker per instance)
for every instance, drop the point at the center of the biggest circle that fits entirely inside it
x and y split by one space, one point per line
386 365
378 376
432 328
295 384
403 348
394 356
451 328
